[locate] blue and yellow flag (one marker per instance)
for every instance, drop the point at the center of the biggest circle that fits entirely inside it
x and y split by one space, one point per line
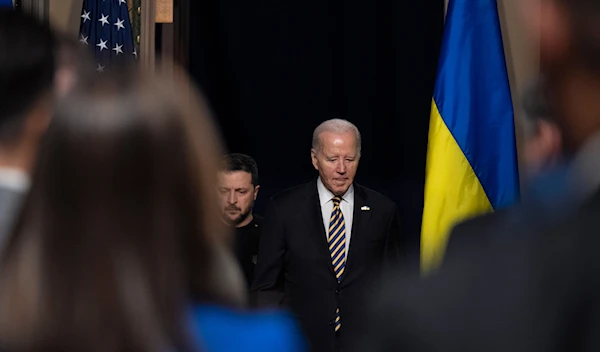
471 155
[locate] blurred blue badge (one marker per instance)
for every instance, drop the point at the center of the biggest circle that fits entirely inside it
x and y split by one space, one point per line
553 194
549 187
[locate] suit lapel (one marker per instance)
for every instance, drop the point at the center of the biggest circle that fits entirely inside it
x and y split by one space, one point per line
314 215
359 234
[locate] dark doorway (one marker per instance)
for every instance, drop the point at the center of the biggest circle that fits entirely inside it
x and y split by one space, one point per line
273 70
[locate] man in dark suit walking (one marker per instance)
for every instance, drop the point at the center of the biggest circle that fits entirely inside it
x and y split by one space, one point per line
325 243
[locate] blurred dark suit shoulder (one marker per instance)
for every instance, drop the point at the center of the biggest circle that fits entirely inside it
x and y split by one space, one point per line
474 233
540 291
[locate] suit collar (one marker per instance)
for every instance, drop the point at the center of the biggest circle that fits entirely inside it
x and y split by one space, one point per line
360 233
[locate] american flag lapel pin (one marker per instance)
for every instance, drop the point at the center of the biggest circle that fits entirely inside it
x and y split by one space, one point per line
365 208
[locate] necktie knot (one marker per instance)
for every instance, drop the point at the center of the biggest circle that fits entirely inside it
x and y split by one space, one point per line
336 201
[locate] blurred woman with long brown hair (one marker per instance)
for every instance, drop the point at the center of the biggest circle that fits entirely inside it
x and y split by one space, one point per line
119 246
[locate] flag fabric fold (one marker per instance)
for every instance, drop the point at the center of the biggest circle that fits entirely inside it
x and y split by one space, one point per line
471 155
106 29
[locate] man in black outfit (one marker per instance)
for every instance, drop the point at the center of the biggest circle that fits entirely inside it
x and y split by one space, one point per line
238 188
325 243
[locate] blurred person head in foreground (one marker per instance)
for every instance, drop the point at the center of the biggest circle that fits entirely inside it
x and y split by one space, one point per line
73 61
120 231
569 35
543 144
27 67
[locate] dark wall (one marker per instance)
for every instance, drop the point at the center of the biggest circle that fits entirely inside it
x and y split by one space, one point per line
273 70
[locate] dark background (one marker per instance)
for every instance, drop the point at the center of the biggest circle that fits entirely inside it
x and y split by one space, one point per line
272 70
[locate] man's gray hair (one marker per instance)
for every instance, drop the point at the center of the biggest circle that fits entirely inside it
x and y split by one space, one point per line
337 126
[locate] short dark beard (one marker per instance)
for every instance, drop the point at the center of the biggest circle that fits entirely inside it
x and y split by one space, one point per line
243 216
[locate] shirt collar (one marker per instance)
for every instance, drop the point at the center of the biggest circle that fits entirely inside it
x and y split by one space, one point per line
326 195
14 179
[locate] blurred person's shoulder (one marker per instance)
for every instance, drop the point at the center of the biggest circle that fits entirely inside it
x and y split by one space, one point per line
481 221
477 231
217 328
510 297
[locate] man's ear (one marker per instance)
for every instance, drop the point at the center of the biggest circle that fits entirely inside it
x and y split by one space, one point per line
554 139
313 157
256 188
39 116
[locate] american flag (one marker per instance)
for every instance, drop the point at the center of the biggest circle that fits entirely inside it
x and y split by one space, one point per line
106 29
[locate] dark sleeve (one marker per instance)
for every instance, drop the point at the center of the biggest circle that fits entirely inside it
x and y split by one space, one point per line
456 239
393 246
271 250
471 234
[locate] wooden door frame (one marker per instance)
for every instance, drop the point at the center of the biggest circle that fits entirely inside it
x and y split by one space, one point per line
147 36
173 37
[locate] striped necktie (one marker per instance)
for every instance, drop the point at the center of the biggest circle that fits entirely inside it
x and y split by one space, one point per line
337 247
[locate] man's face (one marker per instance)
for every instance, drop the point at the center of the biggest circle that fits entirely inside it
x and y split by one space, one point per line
556 26
336 160
237 195
546 23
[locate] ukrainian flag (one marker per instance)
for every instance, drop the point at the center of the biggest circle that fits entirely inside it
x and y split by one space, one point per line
471 155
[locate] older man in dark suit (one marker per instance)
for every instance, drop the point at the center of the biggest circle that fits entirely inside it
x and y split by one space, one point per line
325 243
27 68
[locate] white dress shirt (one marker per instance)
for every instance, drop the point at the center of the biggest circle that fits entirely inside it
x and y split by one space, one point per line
346 205
14 179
